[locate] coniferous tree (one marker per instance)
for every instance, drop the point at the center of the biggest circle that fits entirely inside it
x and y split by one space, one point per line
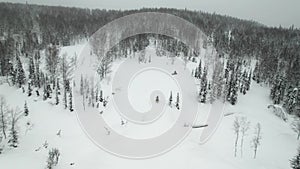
101 96
199 70
295 162
177 101
13 135
233 89
31 69
42 79
234 94
203 84
65 99
71 100
170 99
56 96
92 93
20 74
81 85
13 74
289 100
87 88
58 85
45 92
248 83
52 60
37 70
243 83
26 111
256 73
97 94
277 90
196 73
48 91
156 100
29 90
217 82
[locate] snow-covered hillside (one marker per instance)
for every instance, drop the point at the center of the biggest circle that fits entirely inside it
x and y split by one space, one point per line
45 120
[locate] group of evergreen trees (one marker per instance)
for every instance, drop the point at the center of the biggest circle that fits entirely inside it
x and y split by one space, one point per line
25 30
225 81
91 93
275 49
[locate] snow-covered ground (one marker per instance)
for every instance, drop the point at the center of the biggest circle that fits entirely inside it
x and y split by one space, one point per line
278 145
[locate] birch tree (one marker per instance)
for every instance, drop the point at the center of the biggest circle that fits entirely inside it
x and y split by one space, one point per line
256 139
245 125
3 117
236 129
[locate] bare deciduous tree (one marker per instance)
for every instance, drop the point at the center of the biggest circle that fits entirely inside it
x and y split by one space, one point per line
236 129
256 139
245 125
104 67
3 116
296 127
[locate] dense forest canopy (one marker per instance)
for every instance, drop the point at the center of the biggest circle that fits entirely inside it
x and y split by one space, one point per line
26 29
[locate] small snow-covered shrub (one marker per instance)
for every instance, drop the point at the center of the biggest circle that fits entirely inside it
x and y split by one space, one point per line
53 158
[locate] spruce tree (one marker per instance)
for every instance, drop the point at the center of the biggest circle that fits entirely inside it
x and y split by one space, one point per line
256 73
289 99
31 69
81 85
177 101
217 82
233 89
29 90
26 111
58 85
52 60
199 70
97 94
156 99
295 162
20 74
101 96
203 84
170 99
65 99
71 100
276 90
13 138
13 134
243 83
56 96
196 73
44 92
248 84
37 70
92 94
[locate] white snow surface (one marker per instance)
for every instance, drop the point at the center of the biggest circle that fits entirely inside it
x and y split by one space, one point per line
278 145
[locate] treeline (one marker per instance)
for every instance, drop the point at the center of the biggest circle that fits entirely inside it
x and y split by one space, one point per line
27 29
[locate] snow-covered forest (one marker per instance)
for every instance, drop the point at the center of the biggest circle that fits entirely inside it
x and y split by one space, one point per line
256 74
